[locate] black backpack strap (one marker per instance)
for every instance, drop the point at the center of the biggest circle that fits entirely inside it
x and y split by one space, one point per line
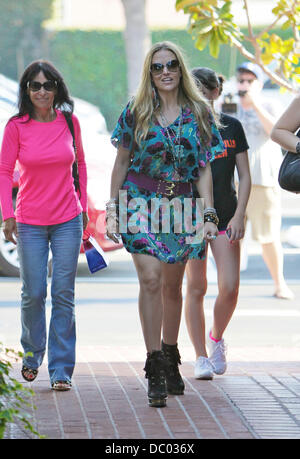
68 118
69 121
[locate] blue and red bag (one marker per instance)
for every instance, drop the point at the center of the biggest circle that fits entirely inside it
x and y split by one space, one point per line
95 256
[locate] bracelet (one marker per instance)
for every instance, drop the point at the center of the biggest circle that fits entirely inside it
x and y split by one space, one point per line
212 218
210 210
114 216
111 202
210 213
111 211
111 206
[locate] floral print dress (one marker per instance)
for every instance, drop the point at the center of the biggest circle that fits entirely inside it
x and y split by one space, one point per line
146 226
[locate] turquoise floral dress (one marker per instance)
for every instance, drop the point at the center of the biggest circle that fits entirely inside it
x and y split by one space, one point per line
146 225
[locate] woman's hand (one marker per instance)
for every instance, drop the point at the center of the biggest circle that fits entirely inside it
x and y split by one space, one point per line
237 228
210 231
112 227
10 230
85 220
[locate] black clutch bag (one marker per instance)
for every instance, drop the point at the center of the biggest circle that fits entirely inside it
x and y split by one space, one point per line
289 172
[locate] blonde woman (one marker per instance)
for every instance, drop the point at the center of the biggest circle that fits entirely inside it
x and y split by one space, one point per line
165 138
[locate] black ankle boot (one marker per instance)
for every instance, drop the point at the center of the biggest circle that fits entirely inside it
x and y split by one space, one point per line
155 369
175 384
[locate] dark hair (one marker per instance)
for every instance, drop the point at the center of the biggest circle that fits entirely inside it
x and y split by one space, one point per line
62 99
208 78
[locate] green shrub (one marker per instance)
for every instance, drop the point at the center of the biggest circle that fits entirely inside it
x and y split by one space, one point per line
15 399
94 66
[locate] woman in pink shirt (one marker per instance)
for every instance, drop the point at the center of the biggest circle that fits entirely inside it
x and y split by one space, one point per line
51 212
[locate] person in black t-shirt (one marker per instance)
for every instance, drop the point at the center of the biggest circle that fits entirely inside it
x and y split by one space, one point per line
226 247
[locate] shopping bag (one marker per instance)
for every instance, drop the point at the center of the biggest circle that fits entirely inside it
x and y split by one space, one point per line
95 256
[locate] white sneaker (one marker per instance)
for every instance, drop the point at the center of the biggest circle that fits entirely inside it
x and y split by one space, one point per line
203 368
217 356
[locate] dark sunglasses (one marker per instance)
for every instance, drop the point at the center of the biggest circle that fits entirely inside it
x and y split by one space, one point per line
35 86
242 80
171 66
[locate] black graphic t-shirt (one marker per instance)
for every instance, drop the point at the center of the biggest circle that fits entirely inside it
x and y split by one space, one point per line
225 199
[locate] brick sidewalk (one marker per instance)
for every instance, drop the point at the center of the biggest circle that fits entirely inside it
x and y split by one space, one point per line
254 399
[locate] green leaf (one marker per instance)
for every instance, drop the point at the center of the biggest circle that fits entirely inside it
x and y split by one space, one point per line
214 47
265 36
203 26
286 25
202 41
226 8
222 35
180 4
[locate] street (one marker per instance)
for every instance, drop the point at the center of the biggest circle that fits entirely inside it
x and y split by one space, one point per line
107 310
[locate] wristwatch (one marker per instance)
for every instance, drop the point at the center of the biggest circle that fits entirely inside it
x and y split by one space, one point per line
298 148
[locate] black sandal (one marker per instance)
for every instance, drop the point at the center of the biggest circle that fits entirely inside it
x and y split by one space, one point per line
31 373
61 385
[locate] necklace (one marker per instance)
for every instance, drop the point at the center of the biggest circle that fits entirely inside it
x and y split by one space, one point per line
174 145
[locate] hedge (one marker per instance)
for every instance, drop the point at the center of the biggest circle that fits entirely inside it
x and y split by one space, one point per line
94 64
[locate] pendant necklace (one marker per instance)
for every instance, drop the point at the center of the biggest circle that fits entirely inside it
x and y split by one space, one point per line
174 145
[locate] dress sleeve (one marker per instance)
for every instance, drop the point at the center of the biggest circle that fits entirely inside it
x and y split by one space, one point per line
8 157
123 132
207 153
82 172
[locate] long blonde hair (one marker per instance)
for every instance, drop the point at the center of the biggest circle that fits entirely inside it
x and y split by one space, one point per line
189 95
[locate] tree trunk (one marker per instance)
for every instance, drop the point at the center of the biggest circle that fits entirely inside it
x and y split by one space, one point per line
137 40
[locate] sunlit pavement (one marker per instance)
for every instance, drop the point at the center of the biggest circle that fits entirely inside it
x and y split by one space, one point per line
258 397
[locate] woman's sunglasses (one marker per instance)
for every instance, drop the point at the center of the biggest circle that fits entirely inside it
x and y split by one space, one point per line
35 86
242 80
171 66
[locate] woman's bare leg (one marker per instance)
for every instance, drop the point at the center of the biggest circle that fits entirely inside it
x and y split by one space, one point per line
172 277
194 312
150 299
227 257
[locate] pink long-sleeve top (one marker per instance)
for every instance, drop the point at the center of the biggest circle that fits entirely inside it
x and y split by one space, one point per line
44 154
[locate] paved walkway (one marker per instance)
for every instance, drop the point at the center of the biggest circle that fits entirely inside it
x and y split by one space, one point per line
258 397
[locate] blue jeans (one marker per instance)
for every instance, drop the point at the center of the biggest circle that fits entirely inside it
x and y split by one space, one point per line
34 242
